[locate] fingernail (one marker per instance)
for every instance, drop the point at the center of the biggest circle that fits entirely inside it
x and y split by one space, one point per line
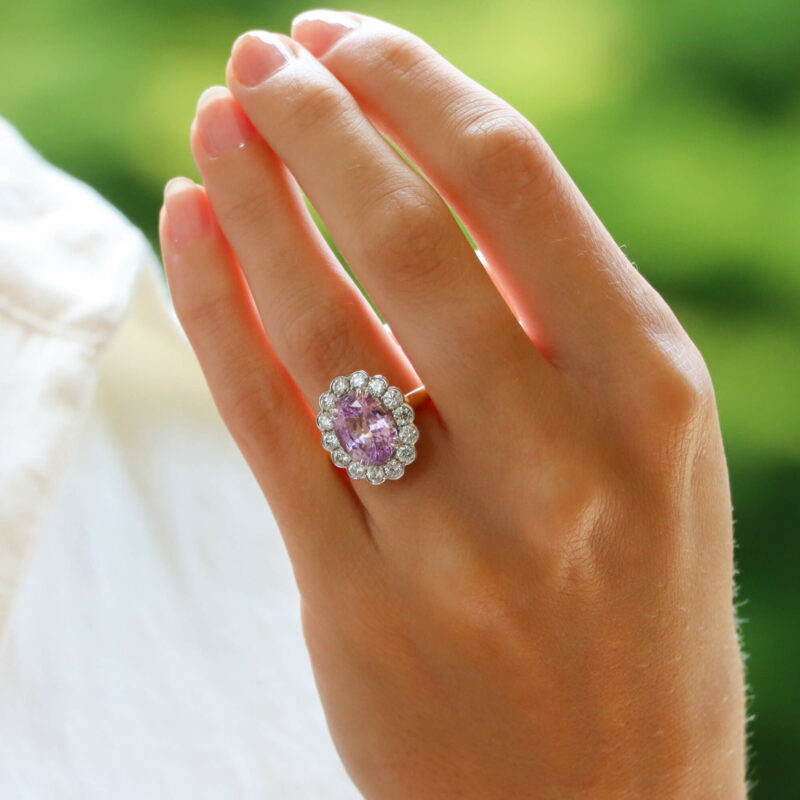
257 55
221 123
320 29
188 214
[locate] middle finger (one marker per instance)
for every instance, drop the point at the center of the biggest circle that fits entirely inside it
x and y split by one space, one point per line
392 227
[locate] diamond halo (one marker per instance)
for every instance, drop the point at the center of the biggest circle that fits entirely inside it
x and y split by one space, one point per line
367 427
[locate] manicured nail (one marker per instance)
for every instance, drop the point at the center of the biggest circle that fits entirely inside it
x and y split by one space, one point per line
221 123
188 214
258 54
319 30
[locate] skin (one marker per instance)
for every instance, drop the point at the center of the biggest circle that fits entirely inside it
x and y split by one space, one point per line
542 606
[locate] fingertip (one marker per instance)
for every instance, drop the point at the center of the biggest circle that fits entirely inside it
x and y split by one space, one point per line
177 185
327 16
210 94
219 126
257 55
318 30
187 214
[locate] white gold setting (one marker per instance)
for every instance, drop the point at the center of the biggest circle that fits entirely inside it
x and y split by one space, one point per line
396 438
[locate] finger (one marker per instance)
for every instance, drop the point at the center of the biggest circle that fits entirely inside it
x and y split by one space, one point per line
393 228
316 319
567 277
256 398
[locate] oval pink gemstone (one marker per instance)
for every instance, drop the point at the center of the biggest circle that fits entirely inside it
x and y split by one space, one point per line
365 429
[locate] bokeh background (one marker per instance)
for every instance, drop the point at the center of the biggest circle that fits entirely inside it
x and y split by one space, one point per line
679 120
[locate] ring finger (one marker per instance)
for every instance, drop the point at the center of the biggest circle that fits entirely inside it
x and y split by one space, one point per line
316 319
391 225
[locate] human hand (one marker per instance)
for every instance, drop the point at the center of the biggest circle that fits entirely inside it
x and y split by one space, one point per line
542 605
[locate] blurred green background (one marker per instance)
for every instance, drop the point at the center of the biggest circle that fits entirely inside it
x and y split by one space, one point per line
680 121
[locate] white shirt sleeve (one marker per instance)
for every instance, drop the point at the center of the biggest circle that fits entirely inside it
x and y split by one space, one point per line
67 266
151 640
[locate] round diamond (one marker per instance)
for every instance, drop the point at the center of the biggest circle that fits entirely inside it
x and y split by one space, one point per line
377 385
404 414
325 420
327 401
392 397
330 441
366 430
406 453
376 475
358 379
340 458
393 469
408 434
356 470
340 385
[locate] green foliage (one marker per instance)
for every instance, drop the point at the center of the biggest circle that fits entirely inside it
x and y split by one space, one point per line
680 121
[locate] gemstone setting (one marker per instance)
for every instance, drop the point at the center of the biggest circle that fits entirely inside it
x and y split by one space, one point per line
392 398
376 475
408 434
393 469
367 427
404 414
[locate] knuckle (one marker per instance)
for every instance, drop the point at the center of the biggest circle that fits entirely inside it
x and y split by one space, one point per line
242 212
250 404
244 392
316 103
401 54
505 158
410 237
571 494
316 335
475 608
205 314
676 387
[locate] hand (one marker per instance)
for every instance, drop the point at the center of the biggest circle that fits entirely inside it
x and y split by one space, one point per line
542 605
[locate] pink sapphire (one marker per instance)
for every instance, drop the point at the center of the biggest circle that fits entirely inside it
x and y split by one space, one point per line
365 429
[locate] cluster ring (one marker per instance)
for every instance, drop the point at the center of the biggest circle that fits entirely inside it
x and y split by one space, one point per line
368 426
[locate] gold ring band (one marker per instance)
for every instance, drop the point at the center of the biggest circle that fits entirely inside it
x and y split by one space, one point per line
417 397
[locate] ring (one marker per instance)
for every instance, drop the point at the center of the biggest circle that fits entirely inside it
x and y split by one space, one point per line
368 426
